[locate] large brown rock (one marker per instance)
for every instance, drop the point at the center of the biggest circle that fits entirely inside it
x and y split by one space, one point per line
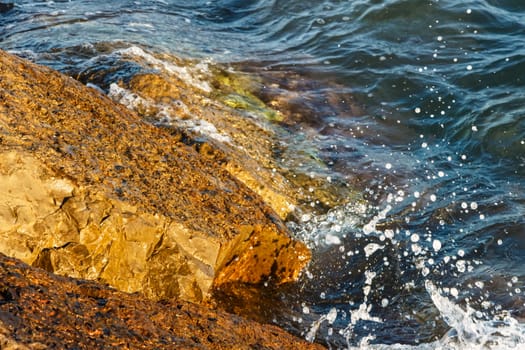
90 190
43 311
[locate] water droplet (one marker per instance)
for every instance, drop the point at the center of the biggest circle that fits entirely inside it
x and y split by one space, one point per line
469 67
305 217
473 205
416 248
417 110
388 166
461 265
414 238
436 244
469 11
332 315
332 239
371 248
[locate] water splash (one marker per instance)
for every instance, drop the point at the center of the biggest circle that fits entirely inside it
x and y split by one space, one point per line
363 312
330 317
470 331
430 259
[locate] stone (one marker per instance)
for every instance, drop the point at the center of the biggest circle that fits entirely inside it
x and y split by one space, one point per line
232 125
89 189
39 310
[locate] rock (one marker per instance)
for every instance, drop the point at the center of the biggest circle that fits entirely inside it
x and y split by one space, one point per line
238 144
40 311
223 116
90 190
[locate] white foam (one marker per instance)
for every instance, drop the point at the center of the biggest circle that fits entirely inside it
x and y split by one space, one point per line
332 239
328 229
127 98
166 115
184 73
468 331
370 227
205 128
371 248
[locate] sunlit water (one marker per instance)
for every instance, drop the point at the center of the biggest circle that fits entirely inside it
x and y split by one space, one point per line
436 259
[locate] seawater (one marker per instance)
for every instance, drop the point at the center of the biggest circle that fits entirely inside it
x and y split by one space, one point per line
436 258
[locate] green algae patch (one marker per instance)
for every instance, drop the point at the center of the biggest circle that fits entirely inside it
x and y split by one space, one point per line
238 91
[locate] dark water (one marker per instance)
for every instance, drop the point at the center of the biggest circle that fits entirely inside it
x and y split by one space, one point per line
438 147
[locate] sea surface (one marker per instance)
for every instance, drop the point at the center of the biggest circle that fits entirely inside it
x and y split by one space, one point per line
418 103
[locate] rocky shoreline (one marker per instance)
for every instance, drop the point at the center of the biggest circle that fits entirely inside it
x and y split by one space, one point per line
91 191
39 310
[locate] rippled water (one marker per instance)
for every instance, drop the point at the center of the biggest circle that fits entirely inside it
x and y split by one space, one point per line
419 103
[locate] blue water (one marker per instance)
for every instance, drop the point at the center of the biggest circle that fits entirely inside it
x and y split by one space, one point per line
419 103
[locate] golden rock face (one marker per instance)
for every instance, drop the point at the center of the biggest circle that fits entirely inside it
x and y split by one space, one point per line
90 190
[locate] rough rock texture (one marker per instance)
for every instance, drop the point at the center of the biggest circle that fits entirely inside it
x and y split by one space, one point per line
42 311
88 189
219 111
242 147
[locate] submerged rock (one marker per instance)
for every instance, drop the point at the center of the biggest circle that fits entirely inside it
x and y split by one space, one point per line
90 190
42 311
229 117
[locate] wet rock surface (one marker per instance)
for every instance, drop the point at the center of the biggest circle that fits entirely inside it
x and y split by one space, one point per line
248 123
90 190
39 310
